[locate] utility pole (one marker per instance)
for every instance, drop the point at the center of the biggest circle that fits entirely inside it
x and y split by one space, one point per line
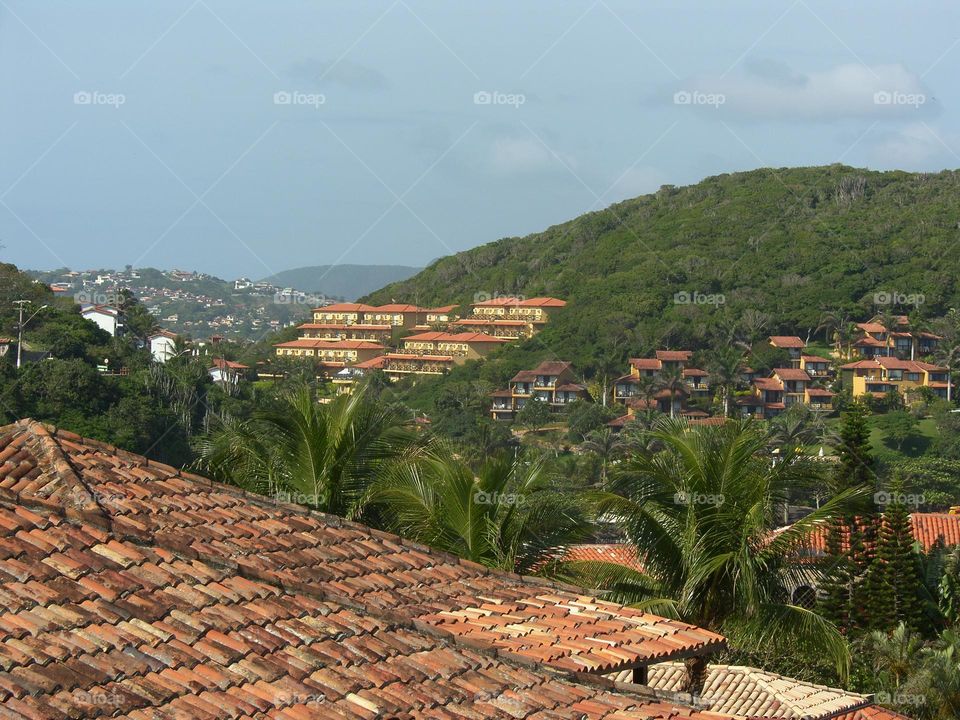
20 324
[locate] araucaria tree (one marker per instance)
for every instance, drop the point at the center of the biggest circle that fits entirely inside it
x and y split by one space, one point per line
851 537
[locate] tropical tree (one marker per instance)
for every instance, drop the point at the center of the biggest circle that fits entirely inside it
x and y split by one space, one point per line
725 367
324 456
891 656
671 380
947 352
701 513
831 322
606 445
509 515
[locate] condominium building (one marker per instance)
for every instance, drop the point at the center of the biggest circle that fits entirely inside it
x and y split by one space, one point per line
792 344
650 370
330 352
535 311
784 388
880 375
334 331
551 382
876 340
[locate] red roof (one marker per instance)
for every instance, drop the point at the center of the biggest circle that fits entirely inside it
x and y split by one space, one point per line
173 596
440 310
646 363
673 355
768 383
814 359
341 326
374 363
228 365
518 302
411 356
871 712
617 553
464 337
791 374
397 308
787 341
694 372
345 308
927 529
319 343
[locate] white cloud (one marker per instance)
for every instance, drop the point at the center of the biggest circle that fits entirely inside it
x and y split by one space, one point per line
771 90
512 155
917 146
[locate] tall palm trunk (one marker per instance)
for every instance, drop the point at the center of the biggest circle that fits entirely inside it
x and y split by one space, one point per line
696 674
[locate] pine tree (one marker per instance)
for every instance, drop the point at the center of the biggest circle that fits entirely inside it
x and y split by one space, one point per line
851 540
894 576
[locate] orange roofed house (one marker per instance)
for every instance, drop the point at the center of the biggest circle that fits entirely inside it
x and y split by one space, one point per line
138 590
334 353
512 317
552 382
883 374
901 342
435 352
785 387
792 344
628 389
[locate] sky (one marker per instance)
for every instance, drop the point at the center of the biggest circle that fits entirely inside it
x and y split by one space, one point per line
244 138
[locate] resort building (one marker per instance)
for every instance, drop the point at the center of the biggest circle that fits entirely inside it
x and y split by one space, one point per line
551 382
330 352
646 372
878 341
792 344
334 331
459 346
395 314
816 367
534 311
881 374
785 387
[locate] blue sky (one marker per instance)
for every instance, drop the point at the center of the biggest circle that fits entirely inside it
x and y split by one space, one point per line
246 138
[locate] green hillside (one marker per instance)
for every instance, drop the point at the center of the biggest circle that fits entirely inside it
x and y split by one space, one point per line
759 252
341 281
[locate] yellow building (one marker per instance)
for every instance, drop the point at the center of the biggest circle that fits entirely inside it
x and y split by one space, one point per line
459 346
877 341
334 331
330 352
880 375
550 382
535 311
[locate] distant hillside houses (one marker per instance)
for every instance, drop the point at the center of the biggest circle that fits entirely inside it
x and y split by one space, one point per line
401 339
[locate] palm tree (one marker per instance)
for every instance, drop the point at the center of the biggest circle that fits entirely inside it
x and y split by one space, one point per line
947 352
606 445
893 656
937 682
830 323
508 516
700 513
324 456
671 380
725 367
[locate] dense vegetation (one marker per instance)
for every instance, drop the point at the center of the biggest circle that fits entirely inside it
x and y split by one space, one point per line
778 247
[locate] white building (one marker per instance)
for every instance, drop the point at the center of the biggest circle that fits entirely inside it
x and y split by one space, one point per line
163 346
106 317
226 372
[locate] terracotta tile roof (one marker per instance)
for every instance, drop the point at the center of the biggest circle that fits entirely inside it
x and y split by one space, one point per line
787 341
646 363
617 553
694 372
371 364
792 374
519 302
552 367
342 326
524 376
397 308
814 359
228 365
927 528
673 355
871 712
768 384
318 343
747 692
126 577
345 308
464 337
440 310
571 387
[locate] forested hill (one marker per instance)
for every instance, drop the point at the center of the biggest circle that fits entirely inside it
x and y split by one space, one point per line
772 248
